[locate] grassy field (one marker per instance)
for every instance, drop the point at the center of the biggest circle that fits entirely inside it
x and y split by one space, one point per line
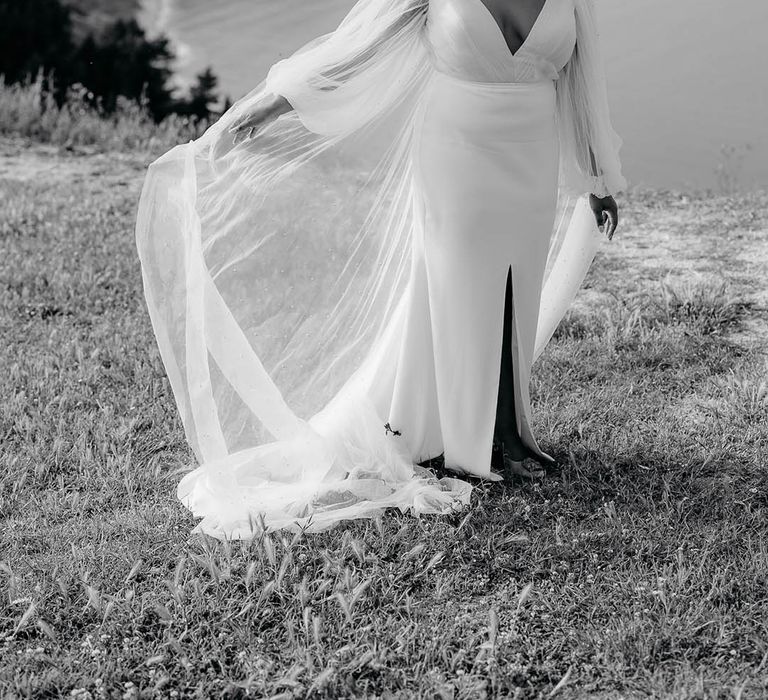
638 569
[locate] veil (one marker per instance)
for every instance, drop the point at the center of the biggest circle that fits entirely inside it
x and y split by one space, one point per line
275 275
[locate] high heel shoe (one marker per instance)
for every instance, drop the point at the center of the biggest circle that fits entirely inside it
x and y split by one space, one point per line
518 467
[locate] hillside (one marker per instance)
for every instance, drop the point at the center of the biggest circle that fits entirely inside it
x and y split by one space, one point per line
636 569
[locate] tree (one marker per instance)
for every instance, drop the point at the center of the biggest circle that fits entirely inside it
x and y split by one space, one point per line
36 36
124 62
202 96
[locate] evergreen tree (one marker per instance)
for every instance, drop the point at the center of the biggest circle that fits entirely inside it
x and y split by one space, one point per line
35 36
203 94
124 62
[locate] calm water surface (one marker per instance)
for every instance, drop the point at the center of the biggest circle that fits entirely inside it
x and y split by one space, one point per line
686 77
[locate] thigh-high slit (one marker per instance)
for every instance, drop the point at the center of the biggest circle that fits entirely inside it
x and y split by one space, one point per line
507 419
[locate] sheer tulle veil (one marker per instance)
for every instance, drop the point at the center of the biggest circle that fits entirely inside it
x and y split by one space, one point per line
275 273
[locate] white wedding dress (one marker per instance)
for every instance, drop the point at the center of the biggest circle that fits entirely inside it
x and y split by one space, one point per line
328 297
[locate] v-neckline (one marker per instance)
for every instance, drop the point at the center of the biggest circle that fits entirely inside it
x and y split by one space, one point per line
492 17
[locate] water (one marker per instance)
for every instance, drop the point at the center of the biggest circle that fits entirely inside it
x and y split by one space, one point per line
685 80
687 88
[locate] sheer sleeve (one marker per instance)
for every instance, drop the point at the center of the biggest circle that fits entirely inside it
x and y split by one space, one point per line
342 80
589 145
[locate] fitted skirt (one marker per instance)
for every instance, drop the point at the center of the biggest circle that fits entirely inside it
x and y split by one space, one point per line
485 192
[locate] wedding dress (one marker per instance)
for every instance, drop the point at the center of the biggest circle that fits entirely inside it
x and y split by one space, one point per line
328 296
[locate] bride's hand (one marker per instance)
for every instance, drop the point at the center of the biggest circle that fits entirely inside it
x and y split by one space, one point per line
606 213
262 114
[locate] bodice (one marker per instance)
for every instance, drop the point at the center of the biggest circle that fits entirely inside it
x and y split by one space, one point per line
466 42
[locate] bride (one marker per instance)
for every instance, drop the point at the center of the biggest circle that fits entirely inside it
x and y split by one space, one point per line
352 272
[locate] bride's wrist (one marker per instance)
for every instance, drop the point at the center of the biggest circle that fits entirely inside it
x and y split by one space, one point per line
280 106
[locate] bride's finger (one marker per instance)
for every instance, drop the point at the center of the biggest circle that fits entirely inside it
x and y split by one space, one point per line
237 128
247 122
236 124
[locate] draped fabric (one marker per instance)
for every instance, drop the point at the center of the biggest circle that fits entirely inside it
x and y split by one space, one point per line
276 272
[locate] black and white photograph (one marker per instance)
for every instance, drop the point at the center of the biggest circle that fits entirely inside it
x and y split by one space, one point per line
383 349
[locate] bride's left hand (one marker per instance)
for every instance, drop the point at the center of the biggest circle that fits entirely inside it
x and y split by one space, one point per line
606 213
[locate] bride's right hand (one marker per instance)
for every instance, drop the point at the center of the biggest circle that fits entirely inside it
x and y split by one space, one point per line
262 114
